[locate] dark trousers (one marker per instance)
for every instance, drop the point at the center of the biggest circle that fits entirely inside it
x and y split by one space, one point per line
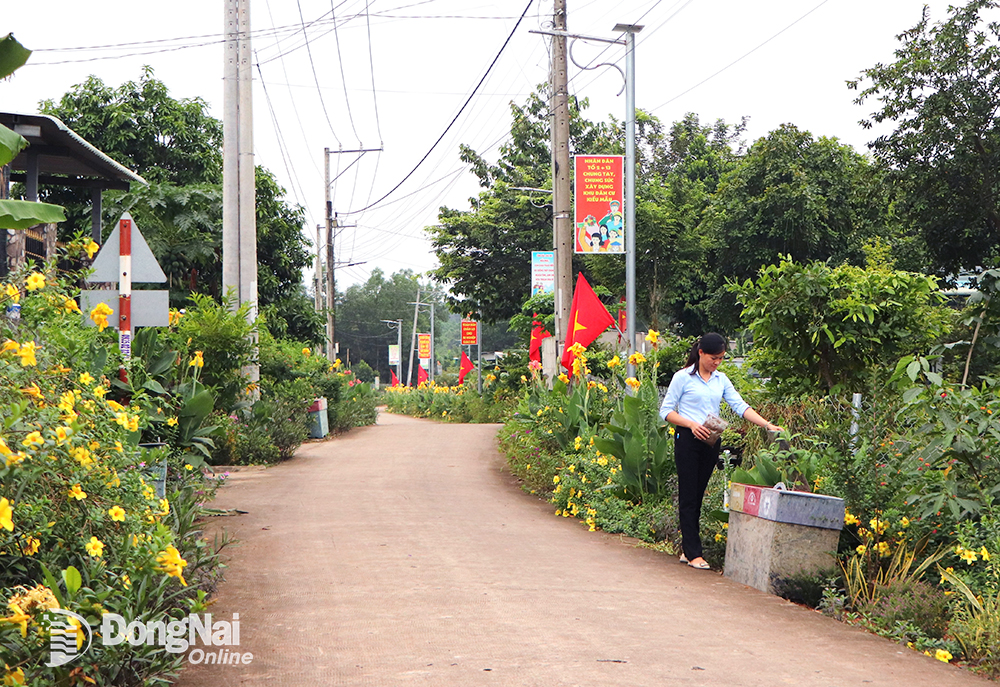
695 462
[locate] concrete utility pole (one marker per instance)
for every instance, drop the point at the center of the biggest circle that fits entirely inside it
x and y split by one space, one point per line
331 224
413 339
562 230
318 277
239 214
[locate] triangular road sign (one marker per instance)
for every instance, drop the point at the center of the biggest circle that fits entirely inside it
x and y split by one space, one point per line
145 268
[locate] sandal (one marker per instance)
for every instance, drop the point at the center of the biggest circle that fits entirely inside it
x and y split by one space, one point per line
684 558
700 565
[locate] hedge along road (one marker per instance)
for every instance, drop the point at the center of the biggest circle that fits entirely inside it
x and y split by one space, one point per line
404 553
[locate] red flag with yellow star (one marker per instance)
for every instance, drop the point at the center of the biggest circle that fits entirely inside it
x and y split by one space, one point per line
535 344
464 368
588 318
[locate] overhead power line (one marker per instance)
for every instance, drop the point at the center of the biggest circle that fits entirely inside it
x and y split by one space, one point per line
740 58
454 119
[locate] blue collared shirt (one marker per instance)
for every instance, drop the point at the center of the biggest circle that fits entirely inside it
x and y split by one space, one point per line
694 398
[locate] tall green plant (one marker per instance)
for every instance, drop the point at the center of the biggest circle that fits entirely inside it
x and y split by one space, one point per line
640 440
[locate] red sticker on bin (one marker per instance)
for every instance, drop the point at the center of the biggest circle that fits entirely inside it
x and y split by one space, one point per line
751 500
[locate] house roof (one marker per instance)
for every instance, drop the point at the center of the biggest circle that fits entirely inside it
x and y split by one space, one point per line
64 153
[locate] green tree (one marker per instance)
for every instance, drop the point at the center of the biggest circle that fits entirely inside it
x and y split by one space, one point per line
485 252
829 329
177 146
677 173
362 307
810 199
943 94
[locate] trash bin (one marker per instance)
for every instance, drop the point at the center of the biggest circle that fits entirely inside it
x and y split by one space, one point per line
775 535
319 426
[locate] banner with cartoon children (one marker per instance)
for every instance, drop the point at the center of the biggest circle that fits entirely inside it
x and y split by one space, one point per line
599 222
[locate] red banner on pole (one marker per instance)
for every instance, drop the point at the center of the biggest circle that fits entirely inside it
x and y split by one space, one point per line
470 333
599 222
424 346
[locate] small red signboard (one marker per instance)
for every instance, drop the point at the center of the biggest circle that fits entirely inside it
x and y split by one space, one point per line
424 346
470 333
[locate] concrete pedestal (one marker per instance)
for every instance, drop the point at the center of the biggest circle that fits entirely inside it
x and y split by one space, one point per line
776 535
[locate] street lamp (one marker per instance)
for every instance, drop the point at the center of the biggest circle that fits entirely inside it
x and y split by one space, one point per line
629 30
398 326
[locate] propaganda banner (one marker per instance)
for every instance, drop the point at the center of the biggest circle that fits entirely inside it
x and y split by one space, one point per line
424 346
470 333
543 272
599 220
394 354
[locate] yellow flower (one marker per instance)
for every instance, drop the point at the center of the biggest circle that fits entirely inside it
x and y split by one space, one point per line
718 536
173 317
337 364
6 515
904 523
172 422
95 548
70 305
306 352
91 248
35 281
31 546
9 345
850 519
12 292
27 354
633 383
116 406
555 480
947 570
15 458
984 553
636 359
117 513
82 455
942 655
85 378
614 362
171 563
576 349
99 391
62 433
878 526
100 315
126 582
562 378
197 360
883 549
77 493
967 555
653 337
33 439
861 549
164 507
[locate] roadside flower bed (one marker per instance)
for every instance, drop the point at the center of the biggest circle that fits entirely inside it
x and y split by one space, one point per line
82 525
458 403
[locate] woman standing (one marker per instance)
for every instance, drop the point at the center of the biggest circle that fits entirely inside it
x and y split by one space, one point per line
696 391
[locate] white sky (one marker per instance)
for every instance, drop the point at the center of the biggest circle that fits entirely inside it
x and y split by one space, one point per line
428 55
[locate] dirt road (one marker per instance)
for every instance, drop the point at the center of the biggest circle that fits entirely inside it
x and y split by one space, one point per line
403 554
